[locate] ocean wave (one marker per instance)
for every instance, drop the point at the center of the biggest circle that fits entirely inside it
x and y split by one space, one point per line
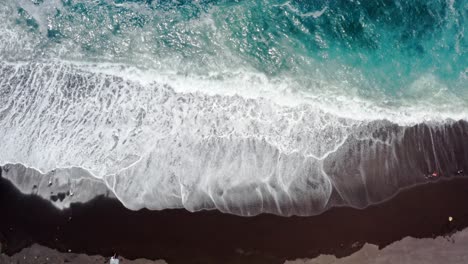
157 148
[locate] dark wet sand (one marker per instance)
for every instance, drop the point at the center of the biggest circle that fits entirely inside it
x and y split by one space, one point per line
104 226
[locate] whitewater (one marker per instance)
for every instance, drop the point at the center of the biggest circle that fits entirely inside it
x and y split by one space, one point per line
277 107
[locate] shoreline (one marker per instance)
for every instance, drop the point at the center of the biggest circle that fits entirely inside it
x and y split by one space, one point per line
362 172
450 249
104 226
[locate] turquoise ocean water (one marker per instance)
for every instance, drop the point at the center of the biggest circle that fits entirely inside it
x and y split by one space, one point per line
389 52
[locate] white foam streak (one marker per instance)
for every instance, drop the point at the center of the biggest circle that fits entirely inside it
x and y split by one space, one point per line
437 104
200 145
158 148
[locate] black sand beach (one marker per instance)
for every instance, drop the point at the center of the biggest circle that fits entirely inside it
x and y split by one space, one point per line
103 226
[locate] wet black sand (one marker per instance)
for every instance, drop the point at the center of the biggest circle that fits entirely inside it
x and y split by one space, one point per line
104 226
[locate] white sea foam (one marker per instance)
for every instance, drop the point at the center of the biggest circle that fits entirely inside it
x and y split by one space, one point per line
41 13
159 147
55 116
314 14
425 100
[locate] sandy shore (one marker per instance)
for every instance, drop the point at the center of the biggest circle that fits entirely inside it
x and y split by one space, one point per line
39 254
103 226
442 249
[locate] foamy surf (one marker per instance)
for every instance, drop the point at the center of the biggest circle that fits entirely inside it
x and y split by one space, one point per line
157 148
207 106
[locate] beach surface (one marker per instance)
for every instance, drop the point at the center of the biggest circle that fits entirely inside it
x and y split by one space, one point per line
448 249
104 226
